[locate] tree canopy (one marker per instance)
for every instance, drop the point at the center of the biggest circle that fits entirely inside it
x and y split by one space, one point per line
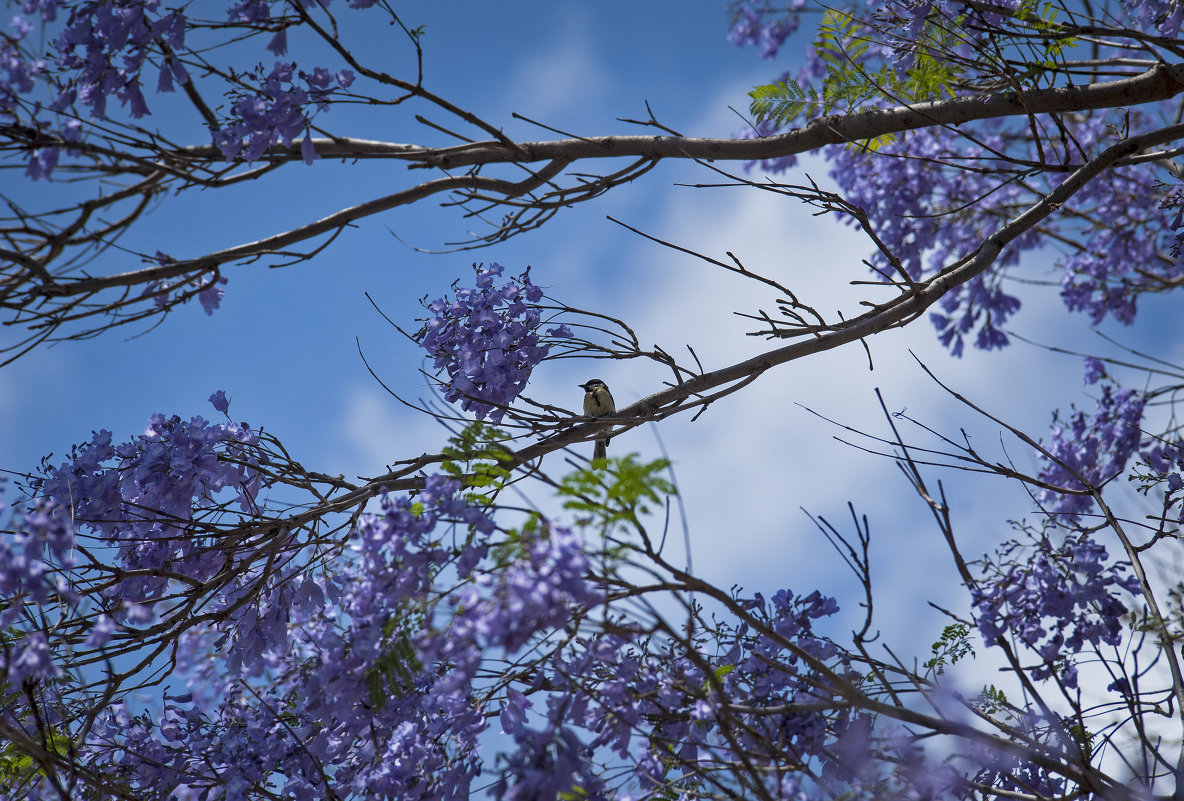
199 612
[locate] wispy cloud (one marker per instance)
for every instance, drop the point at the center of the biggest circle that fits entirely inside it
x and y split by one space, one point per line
561 81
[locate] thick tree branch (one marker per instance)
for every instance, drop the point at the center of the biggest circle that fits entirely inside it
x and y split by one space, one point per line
1159 83
892 314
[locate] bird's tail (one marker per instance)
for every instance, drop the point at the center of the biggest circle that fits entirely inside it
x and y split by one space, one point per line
601 450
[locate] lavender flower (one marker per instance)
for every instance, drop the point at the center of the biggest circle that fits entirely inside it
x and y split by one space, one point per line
486 340
933 196
1095 447
1057 601
142 495
763 22
35 553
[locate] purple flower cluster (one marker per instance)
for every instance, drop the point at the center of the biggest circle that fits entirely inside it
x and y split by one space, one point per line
327 685
1010 772
142 496
104 46
17 70
1166 460
208 288
1094 370
912 206
763 22
1057 600
769 672
102 49
98 54
371 680
276 113
486 340
1094 447
1123 258
34 552
738 694
504 609
1162 16
157 758
384 684
933 196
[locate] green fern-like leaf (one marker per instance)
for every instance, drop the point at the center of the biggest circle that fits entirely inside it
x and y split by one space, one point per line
991 700
396 667
952 646
783 102
623 491
476 456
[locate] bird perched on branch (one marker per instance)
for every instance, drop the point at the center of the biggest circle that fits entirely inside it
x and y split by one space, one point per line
598 402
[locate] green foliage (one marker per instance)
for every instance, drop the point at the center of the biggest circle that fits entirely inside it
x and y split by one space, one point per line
476 458
395 669
1040 43
991 700
518 541
852 79
719 672
952 646
855 77
1084 738
620 490
840 45
18 769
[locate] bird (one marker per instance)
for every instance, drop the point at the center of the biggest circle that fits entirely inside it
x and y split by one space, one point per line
598 402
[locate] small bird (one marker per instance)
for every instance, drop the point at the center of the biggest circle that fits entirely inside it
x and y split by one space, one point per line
598 402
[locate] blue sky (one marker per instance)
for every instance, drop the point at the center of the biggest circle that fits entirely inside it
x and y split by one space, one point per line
283 346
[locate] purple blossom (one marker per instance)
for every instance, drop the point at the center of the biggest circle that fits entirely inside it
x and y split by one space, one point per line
1165 460
249 11
28 658
101 633
1162 16
211 297
40 542
934 196
142 495
763 22
1057 600
36 552
17 69
1095 370
219 402
42 162
98 36
100 52
649 700
1121 259
208 288
505 609
278 112
390 719
1094 447
486 340
911 219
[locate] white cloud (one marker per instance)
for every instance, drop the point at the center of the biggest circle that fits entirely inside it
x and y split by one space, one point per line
756 456
562 80
375 429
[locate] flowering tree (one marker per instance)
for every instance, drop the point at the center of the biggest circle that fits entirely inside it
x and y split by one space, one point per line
307 636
